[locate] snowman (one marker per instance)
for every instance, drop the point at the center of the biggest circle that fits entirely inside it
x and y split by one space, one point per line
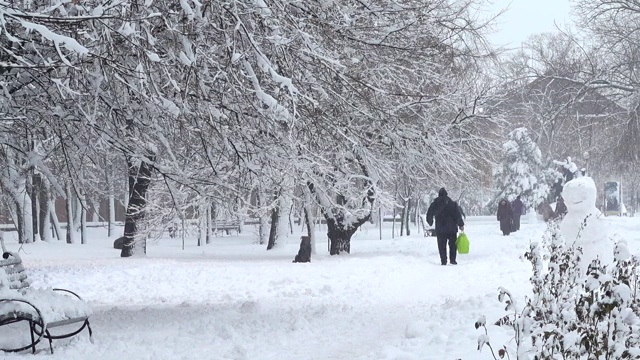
583 225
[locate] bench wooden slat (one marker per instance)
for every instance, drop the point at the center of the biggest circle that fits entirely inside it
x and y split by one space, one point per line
14 269
54 324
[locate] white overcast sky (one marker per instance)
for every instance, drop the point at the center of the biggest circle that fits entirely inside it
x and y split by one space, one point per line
527 17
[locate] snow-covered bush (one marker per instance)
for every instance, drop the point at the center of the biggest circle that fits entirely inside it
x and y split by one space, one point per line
522 170
572 315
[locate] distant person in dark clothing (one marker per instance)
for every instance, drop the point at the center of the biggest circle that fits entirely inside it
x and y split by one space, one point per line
518 210
546 211
561 207
448 220
505 216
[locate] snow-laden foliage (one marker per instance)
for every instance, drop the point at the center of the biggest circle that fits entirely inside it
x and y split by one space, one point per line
522 170
573 315
227 99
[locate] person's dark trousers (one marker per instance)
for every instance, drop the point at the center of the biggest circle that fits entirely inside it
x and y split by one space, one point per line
442 247
516 223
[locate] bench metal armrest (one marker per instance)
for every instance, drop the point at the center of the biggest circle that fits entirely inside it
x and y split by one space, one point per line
24 302
68 291
39 321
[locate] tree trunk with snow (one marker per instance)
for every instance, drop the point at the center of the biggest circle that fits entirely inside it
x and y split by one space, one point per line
139 181
340 229
54 220
407 216
44 219
83 219
33 187
69 203
209 224
111 199
393 223
403 216
308 220
264 220
340 234
14 184
18 217
112 214
77 214
202 224
275 221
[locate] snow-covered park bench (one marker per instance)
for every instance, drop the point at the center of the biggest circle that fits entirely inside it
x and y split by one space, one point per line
227 226
42 309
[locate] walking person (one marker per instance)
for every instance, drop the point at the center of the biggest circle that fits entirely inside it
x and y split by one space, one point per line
448 220
561 207
505 216
518 210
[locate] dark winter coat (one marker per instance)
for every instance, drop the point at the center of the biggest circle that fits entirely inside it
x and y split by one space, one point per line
445 211
505 216
546 211
518 207
561 208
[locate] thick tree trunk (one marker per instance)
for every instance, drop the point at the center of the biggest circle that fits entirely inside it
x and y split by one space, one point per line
339 236
275 220
139 181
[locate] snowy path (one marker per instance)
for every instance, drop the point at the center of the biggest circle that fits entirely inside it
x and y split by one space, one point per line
390 299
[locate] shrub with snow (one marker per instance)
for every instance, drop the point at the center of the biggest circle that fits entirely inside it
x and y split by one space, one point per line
571 315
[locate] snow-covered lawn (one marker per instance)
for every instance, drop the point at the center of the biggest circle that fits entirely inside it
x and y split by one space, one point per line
389 299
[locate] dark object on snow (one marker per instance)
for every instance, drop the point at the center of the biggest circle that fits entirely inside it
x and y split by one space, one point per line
518 210
118 243
505 216
431 232
561 207
448 220
446 214
518 206
546 211
304 254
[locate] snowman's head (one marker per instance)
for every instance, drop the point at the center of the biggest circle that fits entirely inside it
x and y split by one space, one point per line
580 194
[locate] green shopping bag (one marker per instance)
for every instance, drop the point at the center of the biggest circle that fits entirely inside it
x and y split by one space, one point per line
462 243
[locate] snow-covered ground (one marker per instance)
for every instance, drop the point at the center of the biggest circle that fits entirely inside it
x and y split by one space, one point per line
389 299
